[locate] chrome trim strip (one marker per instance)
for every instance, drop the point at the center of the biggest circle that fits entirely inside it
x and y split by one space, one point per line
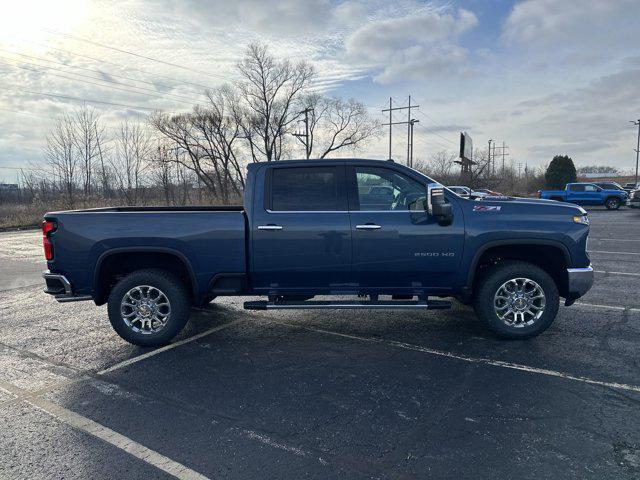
269 227
368 227
344 211
72 298
346 306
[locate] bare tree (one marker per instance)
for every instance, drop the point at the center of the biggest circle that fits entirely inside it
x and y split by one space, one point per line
440 167
269 90
132 153
209 137
88 135
336 124
60 154
170 174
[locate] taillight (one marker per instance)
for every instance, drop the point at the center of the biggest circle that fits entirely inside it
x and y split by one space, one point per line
47 227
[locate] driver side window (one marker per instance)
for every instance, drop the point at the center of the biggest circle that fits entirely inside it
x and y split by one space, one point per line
382 189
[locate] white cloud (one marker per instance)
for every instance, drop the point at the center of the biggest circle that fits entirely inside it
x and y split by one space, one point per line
545 22
414 46
281 17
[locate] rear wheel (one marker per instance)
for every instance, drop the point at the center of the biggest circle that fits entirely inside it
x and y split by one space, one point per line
149 307
612 203
516 299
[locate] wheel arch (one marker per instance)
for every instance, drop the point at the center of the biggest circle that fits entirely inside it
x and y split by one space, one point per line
554 263
103 271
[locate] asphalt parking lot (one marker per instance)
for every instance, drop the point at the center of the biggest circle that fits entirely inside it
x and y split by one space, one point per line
333 394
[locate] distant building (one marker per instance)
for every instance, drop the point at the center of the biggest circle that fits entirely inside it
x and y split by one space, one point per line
8 186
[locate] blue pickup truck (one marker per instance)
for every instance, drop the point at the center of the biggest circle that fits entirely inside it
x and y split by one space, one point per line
366 233
587 194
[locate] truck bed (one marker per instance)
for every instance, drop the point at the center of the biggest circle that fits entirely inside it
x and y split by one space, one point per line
210 238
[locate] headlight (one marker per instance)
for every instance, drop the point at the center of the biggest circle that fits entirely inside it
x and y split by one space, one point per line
583 219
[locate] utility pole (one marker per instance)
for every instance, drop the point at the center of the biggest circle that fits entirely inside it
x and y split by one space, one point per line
637 124
489 155
412 122
392 109
305 135
504 147
494 158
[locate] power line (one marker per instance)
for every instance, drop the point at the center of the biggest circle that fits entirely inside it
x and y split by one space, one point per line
43 59
127 90
435 141
17 112
100 60
116 49
437 134
84 100
23 168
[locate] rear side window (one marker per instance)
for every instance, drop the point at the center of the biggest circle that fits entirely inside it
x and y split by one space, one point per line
307 189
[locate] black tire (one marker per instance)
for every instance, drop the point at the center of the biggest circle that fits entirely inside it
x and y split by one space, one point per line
612 203
497 275
171 287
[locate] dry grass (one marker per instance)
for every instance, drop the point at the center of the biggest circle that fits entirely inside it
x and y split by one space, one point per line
14 216
18 216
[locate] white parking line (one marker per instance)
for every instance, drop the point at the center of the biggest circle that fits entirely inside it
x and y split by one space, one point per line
618 273
478 360
105 434
610 307
616 253
612 239
139 358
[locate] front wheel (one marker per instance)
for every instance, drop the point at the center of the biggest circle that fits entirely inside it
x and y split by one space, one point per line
612 204
516 300
149 307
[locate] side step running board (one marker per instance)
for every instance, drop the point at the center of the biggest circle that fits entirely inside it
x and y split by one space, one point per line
348 305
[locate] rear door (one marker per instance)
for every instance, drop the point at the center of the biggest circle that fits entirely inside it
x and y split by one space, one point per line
301 233
576 194
592 195
397 246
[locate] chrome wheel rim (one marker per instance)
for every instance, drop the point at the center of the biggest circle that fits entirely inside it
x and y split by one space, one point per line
145 309
519 302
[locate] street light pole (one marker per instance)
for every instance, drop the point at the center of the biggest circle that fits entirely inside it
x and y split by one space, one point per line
637 123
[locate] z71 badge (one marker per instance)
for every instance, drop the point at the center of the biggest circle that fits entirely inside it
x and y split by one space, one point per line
486 208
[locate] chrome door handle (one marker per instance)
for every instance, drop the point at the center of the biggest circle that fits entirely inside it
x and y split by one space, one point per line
269 227
368 226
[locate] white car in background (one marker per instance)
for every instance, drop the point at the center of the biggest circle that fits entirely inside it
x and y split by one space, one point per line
464 192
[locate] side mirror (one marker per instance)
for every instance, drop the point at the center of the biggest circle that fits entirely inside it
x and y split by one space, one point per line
437 205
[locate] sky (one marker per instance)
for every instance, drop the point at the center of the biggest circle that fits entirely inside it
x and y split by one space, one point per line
546 77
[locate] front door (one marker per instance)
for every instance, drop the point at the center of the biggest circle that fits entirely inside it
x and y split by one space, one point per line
301 235
397 246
